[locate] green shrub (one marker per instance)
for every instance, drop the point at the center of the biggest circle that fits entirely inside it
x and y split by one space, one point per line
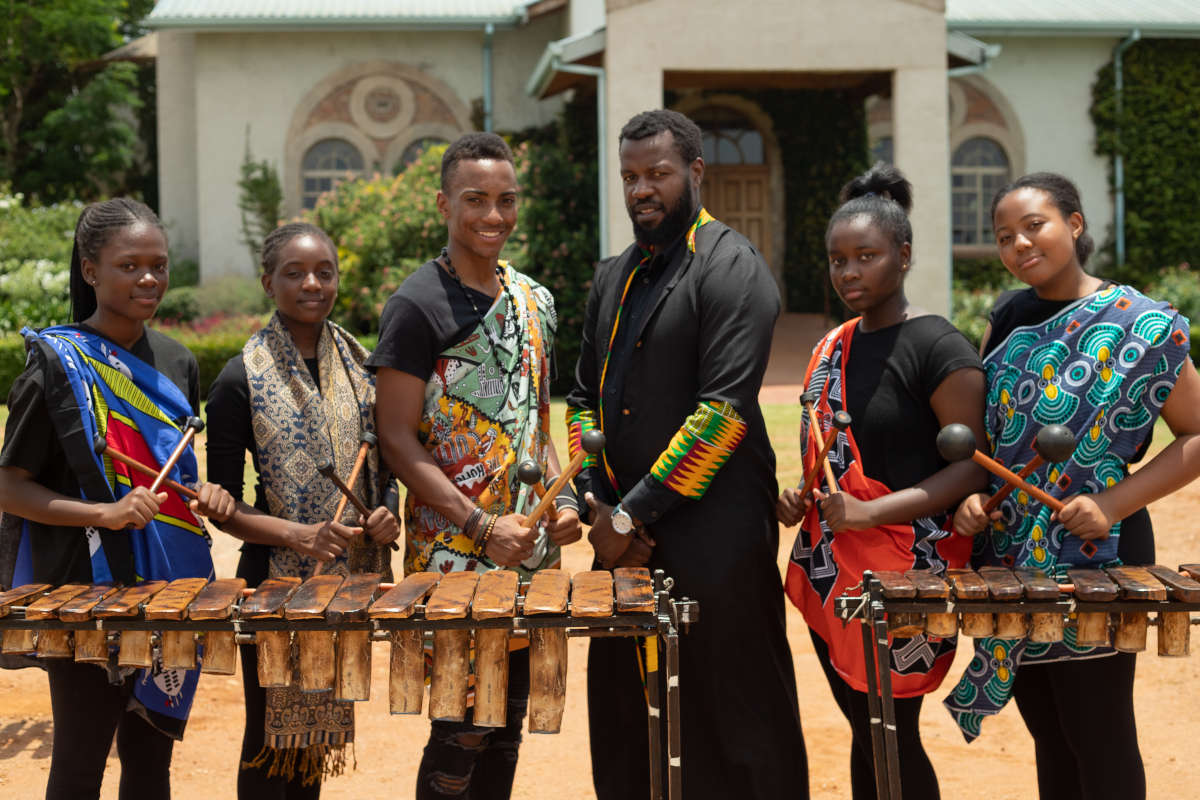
32 233
12 362
384 229
971 309
180 305
34 293
184 272
1180 287
982 273
233 296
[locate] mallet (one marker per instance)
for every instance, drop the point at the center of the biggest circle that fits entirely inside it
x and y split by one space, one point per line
1053 443
326 469
368 440
956 442
841 421
591 443
808 399
100 445
530 474
192 426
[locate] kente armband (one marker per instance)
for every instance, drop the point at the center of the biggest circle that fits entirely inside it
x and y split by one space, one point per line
579 422
699 448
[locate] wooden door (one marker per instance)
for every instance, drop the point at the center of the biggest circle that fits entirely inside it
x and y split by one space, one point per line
737 194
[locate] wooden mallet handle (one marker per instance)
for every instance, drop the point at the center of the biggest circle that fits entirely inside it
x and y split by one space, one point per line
100 445
369 440
807 400
956 442
192 426
841 421
591 443
1053 443
326 469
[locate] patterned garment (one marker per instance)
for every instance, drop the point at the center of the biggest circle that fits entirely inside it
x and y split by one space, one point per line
487 409
296 426
139 412
829 564
1103 366
701 446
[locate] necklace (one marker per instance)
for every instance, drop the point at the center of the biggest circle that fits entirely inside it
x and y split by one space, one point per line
479 315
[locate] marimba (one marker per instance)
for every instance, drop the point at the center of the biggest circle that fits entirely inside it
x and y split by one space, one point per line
333 620
1103 607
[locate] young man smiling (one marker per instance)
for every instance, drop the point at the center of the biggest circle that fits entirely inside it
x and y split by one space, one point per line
675 344
463 387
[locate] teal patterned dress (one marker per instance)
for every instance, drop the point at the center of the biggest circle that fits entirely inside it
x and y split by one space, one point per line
1103 366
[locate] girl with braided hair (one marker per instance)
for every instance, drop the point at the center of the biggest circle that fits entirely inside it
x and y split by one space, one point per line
72 516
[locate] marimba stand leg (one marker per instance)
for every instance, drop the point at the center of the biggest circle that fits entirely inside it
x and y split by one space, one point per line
873 709
653 714
674 738
875 620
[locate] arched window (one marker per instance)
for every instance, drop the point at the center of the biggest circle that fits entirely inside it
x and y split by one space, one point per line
326 164
978 168
728 137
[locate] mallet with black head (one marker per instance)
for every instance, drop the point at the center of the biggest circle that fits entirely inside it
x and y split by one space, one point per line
530 474
191 426
956 442
841 421
591 443
1053 444
326 469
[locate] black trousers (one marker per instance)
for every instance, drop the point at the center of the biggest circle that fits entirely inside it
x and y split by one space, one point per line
1080 714
917 778
88 711
252 782
475 763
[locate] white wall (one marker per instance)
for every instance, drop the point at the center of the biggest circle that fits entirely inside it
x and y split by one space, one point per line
176 99
258 79
1048 82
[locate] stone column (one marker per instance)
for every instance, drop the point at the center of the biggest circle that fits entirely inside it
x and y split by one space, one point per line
634 83
176 99
920 124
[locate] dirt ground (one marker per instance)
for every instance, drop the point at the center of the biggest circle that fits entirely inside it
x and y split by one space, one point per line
999 764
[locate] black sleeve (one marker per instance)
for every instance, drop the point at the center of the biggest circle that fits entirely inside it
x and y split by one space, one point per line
583 392
948 353
229 431
29 437
407 341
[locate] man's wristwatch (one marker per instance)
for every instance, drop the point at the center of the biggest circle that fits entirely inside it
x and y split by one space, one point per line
621 521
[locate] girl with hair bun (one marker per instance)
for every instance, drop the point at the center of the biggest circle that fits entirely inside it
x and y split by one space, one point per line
1106 361
902 373
72 516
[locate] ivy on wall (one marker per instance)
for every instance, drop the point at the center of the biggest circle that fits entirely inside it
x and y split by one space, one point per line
1158 135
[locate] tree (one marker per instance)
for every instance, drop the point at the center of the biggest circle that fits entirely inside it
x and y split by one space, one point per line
65 116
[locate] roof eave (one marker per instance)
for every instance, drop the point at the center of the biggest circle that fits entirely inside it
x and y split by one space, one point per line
1073 28
258 24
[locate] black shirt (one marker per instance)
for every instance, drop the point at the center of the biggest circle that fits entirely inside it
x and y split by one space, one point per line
60 553
891 375
1021 307
230 435
428 313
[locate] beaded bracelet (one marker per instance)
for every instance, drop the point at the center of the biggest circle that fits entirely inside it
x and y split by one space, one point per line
487 532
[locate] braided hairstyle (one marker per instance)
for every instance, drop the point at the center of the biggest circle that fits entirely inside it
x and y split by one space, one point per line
278 238
1065 196
883 195
95 228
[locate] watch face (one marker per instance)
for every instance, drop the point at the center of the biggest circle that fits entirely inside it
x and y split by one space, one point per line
621 521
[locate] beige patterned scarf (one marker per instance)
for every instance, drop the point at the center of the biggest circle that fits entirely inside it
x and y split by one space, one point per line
296 426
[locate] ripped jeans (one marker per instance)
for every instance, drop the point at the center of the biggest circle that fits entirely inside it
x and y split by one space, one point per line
474 763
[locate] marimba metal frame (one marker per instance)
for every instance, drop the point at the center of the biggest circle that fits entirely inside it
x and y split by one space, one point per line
872 608
665 622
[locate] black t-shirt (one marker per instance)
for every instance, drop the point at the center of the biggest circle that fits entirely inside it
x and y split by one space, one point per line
1021 307
428 313
891 375
230 435
60 553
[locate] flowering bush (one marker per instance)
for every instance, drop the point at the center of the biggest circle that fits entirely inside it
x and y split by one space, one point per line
384 228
